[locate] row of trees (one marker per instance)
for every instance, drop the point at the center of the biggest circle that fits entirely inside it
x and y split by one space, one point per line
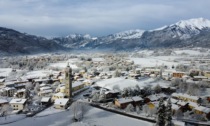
190 88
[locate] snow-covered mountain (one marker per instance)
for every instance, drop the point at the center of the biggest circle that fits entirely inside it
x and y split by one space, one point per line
13 42
190 33
166 36
130 34
74 40
188 28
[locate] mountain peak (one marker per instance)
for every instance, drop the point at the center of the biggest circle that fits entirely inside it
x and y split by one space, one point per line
129 34
198 23
75 35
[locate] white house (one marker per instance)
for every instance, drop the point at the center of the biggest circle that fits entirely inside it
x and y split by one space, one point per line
61 103
18 104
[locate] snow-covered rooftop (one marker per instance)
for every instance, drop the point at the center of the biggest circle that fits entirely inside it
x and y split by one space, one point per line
203 109
45 88
137 98
62 65
61 101
185 95
45 99
124 100
59 94
3 101
17 101
77 83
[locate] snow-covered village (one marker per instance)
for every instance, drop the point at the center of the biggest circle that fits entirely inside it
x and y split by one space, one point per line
170 86
104 63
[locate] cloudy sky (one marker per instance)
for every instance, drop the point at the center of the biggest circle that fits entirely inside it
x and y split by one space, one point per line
96 17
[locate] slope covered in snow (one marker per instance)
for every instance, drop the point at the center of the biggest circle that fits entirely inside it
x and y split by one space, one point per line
194 24
130 34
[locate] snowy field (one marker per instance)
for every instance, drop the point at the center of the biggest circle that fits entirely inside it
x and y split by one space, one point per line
5 71
94 117
191 52
10 119
37 74
155 61
124 83
62 65
49 111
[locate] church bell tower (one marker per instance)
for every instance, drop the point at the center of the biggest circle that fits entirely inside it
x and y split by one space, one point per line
68 81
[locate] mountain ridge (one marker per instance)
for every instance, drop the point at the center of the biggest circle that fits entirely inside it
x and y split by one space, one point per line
191 33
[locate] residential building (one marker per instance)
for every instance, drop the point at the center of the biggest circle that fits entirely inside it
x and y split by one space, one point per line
61 103
18 104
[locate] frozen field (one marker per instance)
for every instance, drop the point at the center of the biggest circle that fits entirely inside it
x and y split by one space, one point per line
155 61
5 71
62 65
94 117
124 83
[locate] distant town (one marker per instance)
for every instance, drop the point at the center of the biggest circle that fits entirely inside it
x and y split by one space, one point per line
170 86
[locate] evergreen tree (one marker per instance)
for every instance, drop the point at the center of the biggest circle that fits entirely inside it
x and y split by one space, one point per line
169 114
161 113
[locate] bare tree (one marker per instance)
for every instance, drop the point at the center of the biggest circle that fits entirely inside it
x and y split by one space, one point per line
129 108
29 85
5 110
117 73
74 108
116 87
138 110
193 89
37 88
175 81
157 88
84 108
145 108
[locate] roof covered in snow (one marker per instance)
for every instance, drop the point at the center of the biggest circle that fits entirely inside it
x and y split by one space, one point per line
59 94
45 99
61 101
124 100
3 101
137 98
17 101
203 109
185 96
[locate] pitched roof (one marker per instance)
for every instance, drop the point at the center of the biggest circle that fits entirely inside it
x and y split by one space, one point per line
124 100
137 98
45 99
3 101
17 101
62 101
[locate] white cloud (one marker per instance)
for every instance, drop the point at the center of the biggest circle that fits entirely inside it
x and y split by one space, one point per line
99 17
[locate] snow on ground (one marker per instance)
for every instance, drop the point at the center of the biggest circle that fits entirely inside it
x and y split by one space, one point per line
93 117
124 83
97 59
5 71
62 65
10 119
49 111
121 82
37 74
146 52
152 62
190 52
99 117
